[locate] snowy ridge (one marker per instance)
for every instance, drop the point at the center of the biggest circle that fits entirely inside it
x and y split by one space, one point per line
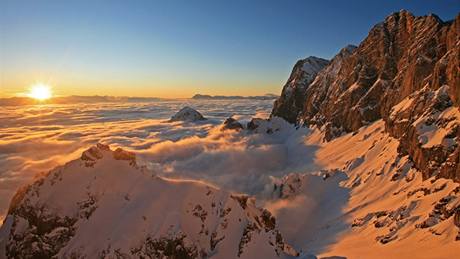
105 205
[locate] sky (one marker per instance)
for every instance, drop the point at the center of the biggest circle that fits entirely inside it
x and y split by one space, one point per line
179 48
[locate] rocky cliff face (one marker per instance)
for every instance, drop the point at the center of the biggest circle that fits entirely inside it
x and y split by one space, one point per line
293 95
405 62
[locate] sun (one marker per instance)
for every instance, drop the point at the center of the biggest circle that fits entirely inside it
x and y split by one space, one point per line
40 92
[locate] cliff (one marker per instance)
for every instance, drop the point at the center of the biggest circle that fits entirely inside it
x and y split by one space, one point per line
405 62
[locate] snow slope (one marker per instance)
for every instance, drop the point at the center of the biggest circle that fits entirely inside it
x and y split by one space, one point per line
105 205
367 202
356 198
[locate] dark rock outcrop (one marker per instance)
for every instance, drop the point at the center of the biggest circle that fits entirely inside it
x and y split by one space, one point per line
404 61
231 124
255 123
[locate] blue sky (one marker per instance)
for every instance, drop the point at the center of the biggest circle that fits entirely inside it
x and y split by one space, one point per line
177 48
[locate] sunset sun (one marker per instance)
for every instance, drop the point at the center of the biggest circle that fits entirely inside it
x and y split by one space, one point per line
40 92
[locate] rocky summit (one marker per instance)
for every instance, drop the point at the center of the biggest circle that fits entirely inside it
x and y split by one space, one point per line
406 72
292 98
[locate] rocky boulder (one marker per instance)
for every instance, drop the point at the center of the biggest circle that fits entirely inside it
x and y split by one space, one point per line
231 124
187 114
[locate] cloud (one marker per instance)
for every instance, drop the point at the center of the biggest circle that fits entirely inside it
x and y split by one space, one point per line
36 139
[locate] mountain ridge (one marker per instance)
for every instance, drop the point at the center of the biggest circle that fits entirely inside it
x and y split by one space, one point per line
113 210
402 57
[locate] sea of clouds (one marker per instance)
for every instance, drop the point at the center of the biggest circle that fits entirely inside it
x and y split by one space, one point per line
35 139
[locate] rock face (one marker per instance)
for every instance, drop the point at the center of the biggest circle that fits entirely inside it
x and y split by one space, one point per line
270 126
292 98
406 72
187 114
231 124
104 205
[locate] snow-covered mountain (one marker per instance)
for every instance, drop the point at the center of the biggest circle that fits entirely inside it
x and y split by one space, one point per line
406 72
359 159
187 114
104 205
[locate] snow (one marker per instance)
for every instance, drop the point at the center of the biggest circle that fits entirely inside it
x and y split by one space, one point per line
380 163
431 134
312 65
310 68
133 204
354 196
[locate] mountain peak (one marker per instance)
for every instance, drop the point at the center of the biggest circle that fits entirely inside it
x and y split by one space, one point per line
293 94
347 50
131 209
401 13
402 57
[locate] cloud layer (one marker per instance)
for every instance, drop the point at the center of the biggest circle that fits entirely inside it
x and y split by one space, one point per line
35 139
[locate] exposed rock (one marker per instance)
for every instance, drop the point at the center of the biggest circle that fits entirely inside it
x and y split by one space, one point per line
255 123
319 90
402 57
457 218
231 124
270 126
428 127
292 98
187 114
120 154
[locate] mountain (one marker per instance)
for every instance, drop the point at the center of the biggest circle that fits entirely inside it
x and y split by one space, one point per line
104 205
367 201
373 174
187 114
406 72
292 98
